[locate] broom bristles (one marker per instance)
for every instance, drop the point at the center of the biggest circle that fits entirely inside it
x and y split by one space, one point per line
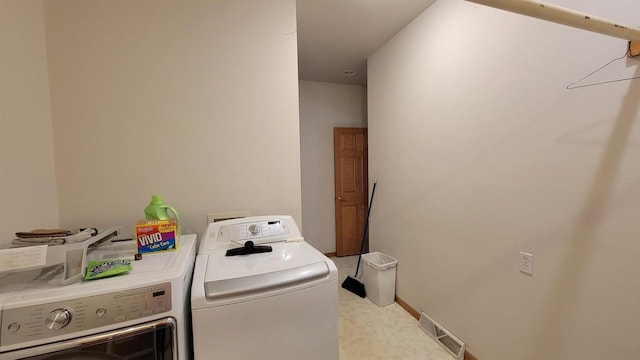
355 286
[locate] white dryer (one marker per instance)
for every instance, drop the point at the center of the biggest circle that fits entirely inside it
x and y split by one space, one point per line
144 314
278 303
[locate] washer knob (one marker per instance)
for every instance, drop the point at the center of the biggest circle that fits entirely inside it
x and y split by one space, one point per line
254 229
58 319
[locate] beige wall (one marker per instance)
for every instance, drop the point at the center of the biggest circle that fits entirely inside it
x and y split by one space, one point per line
324 106
27 174
194 100
481 152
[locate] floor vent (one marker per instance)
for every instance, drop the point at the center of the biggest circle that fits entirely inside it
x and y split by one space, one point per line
451 344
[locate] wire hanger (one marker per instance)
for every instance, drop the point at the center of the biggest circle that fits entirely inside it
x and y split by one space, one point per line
573 86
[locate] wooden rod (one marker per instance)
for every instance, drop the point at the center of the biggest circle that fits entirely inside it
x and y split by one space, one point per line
560 15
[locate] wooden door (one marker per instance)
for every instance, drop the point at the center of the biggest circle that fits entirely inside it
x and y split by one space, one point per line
351 188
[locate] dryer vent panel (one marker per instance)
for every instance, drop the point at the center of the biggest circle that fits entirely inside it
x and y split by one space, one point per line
450 343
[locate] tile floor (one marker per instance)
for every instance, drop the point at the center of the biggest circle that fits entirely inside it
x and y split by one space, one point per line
371 332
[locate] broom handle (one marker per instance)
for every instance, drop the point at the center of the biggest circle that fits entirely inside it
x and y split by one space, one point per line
366 227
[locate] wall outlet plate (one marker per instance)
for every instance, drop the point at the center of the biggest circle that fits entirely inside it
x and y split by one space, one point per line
526 263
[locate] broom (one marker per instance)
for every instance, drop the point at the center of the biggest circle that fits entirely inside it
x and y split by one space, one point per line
351 283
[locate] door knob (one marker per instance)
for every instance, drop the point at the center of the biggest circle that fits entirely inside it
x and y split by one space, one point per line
340 198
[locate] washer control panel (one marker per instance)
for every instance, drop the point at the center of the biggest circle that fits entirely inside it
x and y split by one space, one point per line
39 322
257 231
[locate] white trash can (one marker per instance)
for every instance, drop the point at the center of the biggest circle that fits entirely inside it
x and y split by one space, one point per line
379 277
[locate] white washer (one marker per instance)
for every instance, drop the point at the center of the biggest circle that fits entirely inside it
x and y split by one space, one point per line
280 305
144 314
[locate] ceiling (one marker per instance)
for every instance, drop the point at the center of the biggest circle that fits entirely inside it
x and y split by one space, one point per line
339 35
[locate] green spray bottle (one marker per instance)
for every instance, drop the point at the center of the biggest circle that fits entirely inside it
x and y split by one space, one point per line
157 210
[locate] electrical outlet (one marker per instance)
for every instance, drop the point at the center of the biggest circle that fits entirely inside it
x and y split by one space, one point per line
526 263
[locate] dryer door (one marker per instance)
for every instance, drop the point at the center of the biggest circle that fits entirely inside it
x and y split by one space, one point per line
155 340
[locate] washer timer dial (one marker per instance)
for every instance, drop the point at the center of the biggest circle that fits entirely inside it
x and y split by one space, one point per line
254 229
58 319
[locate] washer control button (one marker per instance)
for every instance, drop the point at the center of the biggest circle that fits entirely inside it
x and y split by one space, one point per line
13 327
101 312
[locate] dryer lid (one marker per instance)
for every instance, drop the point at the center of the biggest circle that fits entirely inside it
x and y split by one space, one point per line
288 264
232 288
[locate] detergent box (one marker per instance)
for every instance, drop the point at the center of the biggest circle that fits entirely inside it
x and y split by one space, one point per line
156 235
